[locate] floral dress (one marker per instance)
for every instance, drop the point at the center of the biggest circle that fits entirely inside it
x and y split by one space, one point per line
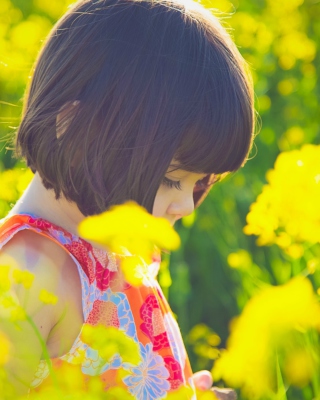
142 313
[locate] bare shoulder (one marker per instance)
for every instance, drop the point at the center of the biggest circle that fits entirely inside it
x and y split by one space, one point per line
46 260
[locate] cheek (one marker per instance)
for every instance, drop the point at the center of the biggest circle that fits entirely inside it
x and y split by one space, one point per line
161 203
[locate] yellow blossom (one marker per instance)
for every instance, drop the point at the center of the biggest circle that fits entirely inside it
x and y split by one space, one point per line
263 327
312 265
287 211
47 297
134 269
5 349
131 227
206 395
5 283
23 277
109 341
131 232
299 368
184 392
17 314
240 259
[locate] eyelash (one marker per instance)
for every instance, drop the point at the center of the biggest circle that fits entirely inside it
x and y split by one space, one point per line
171 184
199 184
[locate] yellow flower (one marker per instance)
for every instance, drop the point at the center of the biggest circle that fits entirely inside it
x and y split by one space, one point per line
47 297
5 349
131 232
299 368
17 314
109 341
241 259
134 269
131 227
13 183
264 326
287 211
5 283
313 265
24 277
184 392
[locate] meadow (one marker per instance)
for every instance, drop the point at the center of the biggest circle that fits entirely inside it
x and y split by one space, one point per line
245 281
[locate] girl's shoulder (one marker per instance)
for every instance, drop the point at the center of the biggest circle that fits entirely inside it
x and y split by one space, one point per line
25 247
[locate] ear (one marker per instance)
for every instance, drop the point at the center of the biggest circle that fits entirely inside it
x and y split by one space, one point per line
65 116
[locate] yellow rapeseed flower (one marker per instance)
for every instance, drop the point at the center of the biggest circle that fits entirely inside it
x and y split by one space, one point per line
287 211
127 226
109 341
5 349
13 183
299 368
25 278
132 233
261 330
47 297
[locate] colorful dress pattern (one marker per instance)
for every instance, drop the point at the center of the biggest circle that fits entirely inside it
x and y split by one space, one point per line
142 313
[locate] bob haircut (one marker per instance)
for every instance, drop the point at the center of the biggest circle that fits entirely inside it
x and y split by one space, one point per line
150 81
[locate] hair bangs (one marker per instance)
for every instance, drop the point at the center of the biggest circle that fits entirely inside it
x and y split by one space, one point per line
219 137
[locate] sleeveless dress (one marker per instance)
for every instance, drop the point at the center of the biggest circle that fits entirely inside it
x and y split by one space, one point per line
142 313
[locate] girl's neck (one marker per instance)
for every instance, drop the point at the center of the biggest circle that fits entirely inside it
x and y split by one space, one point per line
42 202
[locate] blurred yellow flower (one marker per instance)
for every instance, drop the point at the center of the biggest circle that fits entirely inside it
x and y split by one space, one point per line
313 265
23 277
5 283
287 211
240 259
184 392
13 183
5 349
131 232
131 227
109 341
261 330
299 368
47 297
134 269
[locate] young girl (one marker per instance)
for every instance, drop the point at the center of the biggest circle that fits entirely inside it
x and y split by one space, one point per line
144 100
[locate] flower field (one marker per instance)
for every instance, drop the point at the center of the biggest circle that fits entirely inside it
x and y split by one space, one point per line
244 283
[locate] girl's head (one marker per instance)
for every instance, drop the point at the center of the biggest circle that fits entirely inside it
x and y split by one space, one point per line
135 84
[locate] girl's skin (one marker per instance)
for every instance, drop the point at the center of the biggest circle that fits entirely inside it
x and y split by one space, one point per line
56 272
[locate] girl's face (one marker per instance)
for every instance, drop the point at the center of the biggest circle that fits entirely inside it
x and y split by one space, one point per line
174 198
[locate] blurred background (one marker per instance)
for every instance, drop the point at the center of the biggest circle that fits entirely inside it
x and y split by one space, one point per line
212 276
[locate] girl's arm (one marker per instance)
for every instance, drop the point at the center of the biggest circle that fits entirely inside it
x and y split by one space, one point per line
28 334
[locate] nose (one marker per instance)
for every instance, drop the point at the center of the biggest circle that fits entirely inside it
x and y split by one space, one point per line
181 207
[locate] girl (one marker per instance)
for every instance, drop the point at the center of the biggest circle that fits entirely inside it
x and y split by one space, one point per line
147 100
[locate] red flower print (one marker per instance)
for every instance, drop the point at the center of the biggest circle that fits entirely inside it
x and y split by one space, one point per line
40 223
79 251
103 312
153 325
174 368
102 276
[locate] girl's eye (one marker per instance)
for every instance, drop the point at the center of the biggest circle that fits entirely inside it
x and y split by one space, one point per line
171 184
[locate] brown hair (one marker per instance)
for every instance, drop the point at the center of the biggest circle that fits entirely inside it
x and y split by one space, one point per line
155 80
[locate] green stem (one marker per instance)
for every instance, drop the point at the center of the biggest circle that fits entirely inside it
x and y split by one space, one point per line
281 390
313 346
44 350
